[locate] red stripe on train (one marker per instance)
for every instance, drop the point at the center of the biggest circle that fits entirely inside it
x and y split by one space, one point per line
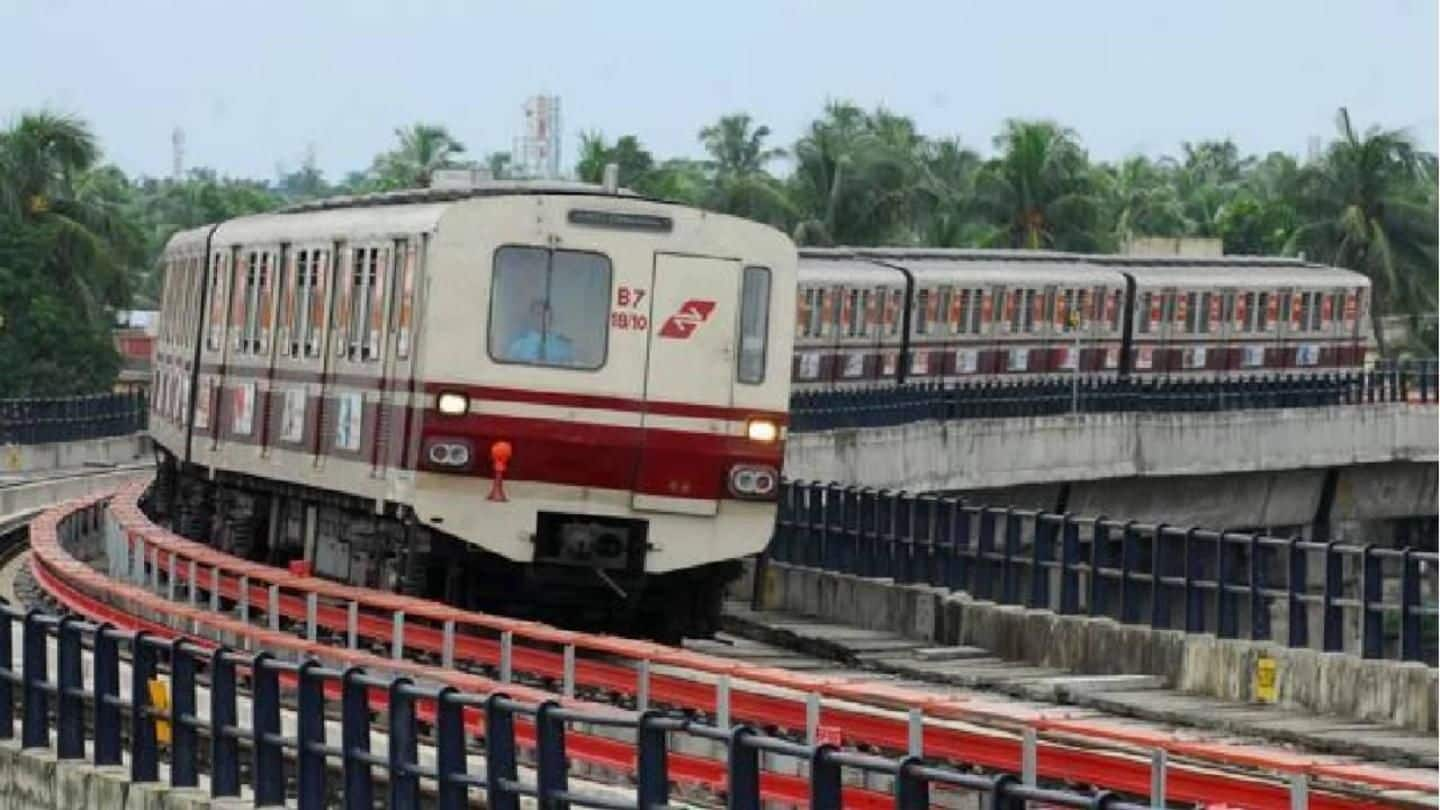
653 462
609 403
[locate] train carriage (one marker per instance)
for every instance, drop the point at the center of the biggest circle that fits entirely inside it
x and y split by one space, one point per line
885 316
544 399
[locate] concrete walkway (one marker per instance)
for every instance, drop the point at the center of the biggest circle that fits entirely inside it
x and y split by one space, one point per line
770 634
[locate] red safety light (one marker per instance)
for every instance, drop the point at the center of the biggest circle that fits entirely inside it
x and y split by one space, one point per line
499 459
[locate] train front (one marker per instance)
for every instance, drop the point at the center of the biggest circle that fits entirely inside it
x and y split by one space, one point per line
606 383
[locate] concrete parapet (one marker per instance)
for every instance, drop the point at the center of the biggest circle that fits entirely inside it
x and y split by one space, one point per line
1395 693
1258 467
31 458
33 779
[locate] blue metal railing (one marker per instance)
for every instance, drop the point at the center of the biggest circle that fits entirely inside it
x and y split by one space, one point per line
1198 580
254 751
891 405
67 419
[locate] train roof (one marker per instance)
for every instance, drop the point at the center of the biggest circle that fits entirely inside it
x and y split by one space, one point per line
489 188
860 265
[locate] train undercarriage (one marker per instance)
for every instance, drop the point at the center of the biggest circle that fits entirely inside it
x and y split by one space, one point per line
346 539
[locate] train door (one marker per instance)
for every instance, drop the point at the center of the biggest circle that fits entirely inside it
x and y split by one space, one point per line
689 374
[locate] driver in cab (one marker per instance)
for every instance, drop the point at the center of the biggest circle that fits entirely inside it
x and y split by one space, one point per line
539 343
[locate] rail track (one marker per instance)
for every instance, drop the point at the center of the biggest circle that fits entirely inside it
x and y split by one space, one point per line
155 581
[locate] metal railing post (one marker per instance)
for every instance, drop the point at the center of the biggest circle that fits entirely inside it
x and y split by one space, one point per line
403 747
224 715
450 751
106 695
69 694
355 740
184 738
34 724
499 755
551 769
267 776
310 738
144 759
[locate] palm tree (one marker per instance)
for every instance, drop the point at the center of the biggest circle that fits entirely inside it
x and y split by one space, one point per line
69 214
945 211
736 148
1369 205
423 149
1139 199
1040 187
855 178
632 159
740 183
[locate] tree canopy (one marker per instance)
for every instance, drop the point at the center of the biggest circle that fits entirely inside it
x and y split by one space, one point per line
79 239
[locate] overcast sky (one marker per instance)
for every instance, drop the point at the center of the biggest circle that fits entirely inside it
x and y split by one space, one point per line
254 84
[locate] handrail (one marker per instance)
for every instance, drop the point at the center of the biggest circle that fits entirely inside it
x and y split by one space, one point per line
1173 577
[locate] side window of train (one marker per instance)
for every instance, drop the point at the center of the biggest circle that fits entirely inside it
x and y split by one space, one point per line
754 325
942 312
865 312
1192 313
963 326
549 307
922 307
1303 322
366 310
407 258
892 312
1245 319
1262 311
1028 311
1147 300
1207 304
1282 309
814 312
311 331
837 311
219 291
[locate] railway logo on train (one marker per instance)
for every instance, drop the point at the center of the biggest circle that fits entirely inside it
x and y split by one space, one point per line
567 402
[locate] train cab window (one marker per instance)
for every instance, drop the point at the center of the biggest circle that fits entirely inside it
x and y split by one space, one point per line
754 324
549 307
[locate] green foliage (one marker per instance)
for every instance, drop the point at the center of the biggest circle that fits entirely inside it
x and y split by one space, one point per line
423 148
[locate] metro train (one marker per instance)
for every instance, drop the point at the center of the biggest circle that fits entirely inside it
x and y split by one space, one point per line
567 402
549 400
884 316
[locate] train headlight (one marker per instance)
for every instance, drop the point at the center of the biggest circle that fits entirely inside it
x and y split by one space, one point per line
762 430
450 454
753 481
451 403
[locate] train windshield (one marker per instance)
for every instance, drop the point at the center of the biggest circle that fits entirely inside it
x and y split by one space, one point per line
549 307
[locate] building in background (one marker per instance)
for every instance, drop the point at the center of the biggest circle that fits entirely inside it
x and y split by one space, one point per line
537 152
